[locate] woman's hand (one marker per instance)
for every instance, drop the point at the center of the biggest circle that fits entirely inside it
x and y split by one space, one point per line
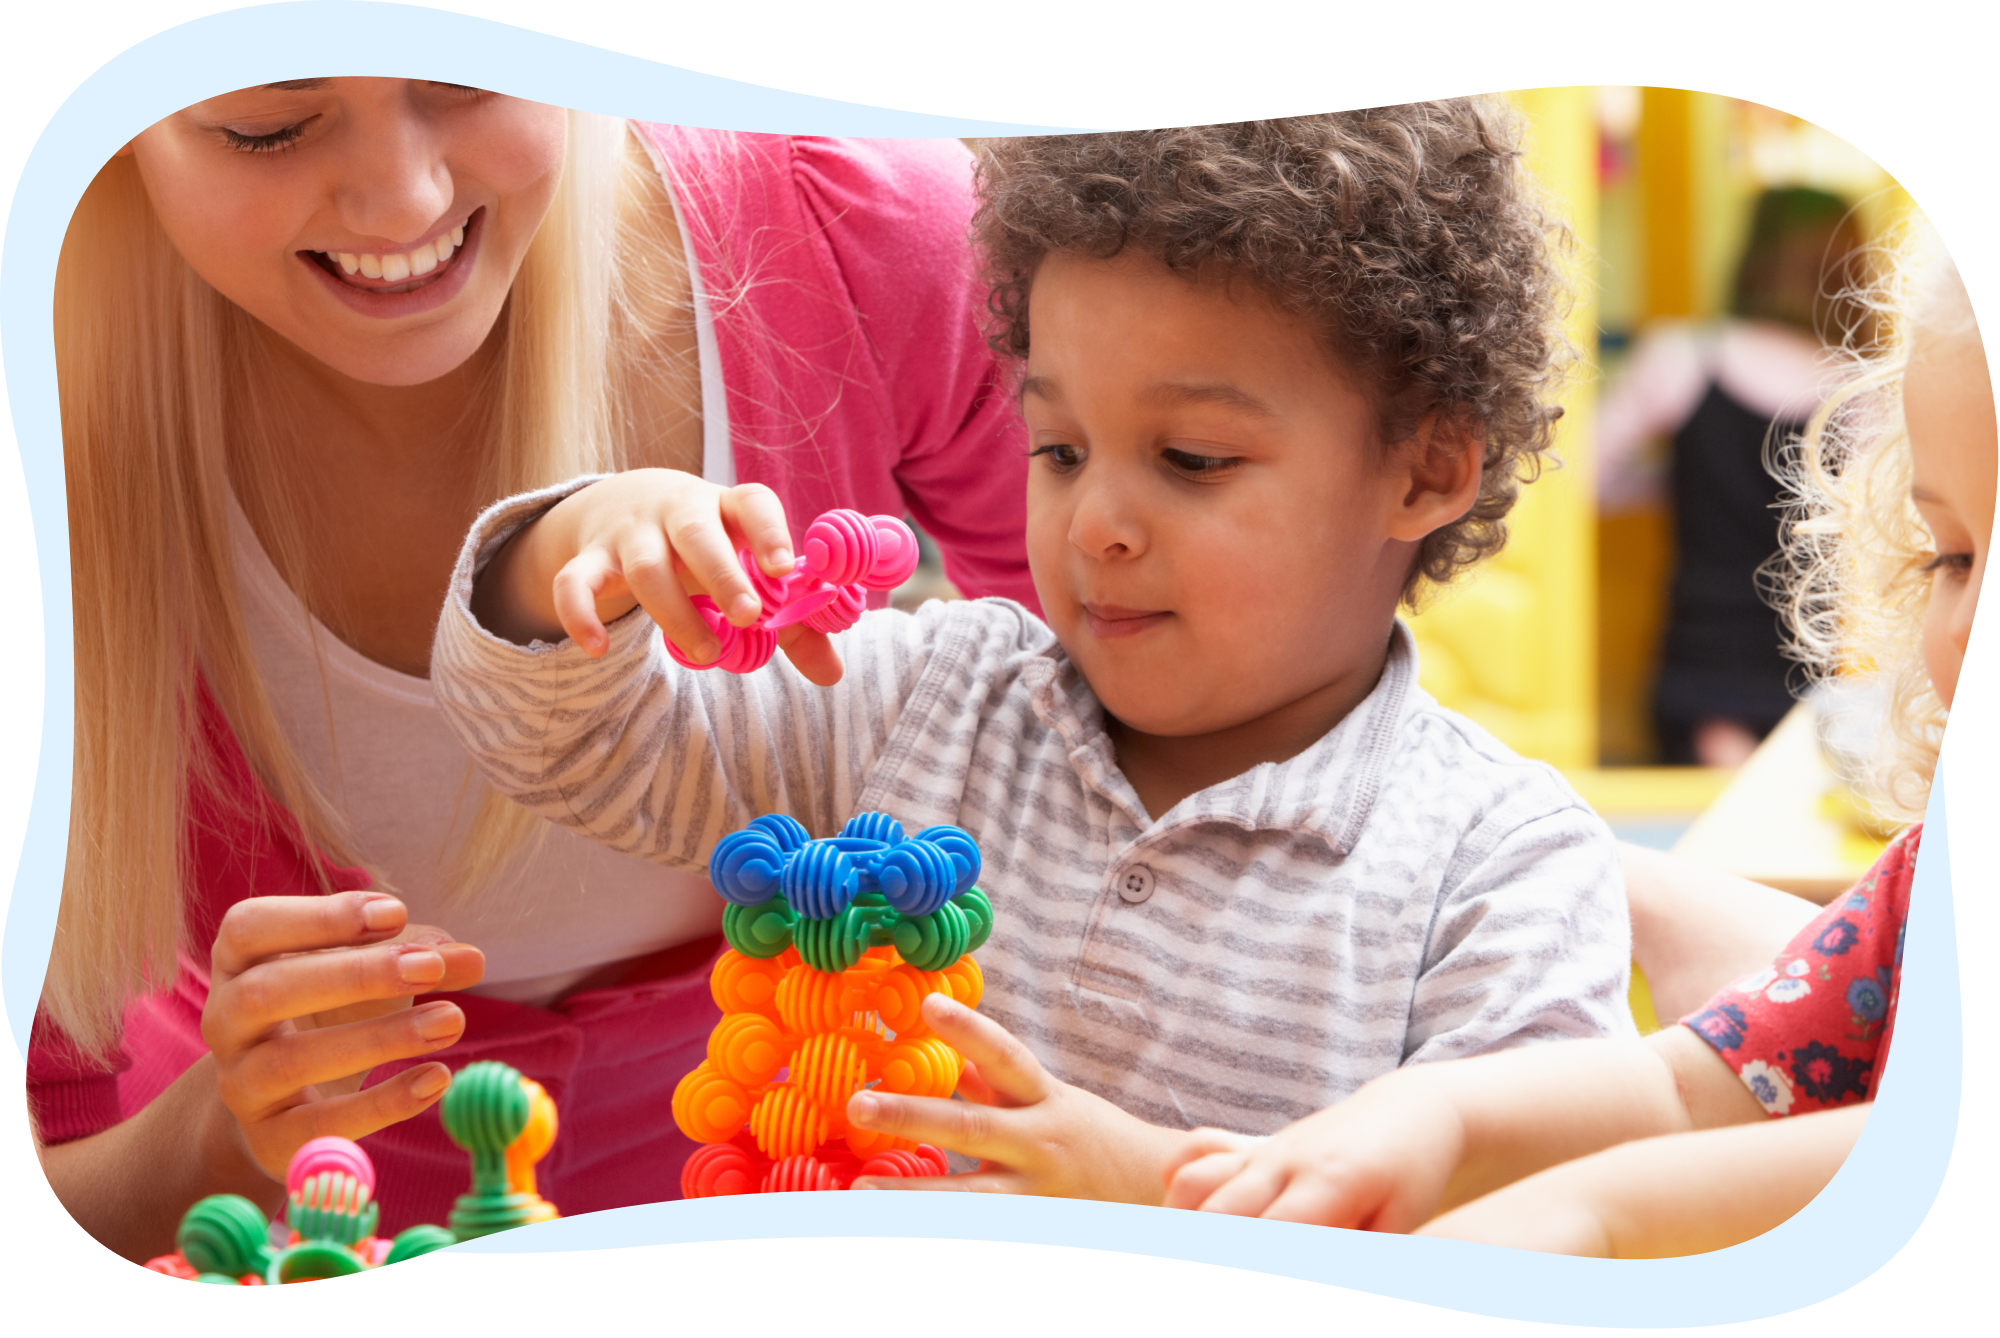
1032 1134
307 994
650 538
1380 1161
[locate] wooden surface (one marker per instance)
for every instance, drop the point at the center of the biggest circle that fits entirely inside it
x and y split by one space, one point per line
1772 824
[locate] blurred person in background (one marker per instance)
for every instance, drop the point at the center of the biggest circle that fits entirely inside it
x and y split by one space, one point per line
1726 393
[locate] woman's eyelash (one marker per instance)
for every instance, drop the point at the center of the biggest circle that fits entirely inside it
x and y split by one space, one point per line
271 143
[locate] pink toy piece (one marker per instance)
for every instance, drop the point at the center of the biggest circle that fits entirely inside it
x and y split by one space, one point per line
773 592
805 606
743 649
339 1155
840 547
839 613
896 554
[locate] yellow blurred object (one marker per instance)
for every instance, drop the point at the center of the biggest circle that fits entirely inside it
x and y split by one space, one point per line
1640 997
1512 644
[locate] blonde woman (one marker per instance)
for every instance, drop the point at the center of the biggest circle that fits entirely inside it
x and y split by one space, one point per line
304 332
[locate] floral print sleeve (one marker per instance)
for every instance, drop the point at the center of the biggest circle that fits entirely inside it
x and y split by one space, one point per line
1810 1031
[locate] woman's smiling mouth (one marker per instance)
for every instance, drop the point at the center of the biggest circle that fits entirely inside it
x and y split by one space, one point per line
401 283
1113 620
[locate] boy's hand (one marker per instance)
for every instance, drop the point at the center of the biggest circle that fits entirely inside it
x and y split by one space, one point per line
651 538
1379 1161
1032 1134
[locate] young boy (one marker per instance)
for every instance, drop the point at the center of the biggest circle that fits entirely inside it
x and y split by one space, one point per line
1278 376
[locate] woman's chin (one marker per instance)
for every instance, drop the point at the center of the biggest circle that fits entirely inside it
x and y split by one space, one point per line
416 359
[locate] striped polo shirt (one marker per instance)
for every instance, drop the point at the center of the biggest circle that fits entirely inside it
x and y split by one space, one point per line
1406 889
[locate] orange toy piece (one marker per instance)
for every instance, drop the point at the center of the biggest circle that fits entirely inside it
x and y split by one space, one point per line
531 1146
771 1097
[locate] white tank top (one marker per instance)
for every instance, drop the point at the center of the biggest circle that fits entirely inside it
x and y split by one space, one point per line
372 739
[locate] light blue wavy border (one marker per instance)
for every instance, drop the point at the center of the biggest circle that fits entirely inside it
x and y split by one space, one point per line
1862 1219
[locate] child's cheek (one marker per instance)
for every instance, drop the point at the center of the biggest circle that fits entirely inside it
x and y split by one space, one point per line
1944 652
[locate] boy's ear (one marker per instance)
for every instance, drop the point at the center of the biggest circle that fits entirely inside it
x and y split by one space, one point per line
1439 466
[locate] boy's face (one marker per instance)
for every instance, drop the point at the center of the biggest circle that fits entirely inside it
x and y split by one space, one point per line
1208 516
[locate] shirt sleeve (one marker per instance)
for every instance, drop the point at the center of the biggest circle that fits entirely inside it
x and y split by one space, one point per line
1533 943
896 215
653 759
1810 1031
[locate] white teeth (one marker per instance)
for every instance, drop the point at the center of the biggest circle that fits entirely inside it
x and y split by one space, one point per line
396 268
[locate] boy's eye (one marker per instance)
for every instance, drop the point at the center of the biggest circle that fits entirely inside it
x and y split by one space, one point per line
1199 466
266 143
1062 456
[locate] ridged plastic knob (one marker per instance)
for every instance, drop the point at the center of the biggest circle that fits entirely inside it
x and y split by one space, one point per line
917 877
933 942
763 930
840 547
964 852
896 554
874 827
748 867
224 1233
820 881
708 1107
719 1169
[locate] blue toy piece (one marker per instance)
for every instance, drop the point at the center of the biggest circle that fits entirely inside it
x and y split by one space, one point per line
834 899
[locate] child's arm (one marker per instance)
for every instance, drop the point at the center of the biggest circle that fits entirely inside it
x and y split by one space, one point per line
1695 929
1432 1136
1660 1197
604 734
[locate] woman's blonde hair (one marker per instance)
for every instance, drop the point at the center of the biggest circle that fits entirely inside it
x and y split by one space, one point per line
1853 578
163 411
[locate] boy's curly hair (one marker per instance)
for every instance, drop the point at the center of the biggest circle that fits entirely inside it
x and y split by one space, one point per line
1410 235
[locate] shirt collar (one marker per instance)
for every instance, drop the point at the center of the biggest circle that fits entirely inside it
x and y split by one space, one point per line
1328 789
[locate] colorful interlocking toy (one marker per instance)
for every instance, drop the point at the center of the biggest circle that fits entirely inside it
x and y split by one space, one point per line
834 946
844 554
506 1121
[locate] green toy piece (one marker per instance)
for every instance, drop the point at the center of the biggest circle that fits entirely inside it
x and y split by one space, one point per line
225 1234
485 1110
420 1239
311 1260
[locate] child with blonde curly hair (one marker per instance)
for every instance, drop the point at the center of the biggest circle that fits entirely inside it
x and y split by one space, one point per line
1894 485
1278 378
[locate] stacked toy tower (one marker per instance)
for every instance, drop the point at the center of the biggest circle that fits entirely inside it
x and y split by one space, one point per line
504 1120
833 947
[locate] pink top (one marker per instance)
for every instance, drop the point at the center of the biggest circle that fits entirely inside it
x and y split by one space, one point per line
847 327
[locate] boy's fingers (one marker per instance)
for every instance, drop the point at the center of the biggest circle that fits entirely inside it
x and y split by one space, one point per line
279 1068
1190 1184
1008 1068
812 654
263 927
1248 1193
757 514
963 1128
1203 1142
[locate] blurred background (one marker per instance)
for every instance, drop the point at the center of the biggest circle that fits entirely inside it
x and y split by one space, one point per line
1620 636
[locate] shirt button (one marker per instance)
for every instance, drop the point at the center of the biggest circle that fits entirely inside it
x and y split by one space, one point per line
1135 884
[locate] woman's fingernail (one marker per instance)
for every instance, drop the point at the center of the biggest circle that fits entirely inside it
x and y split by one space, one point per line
437 1021
863 1107
436 1080
379 913
422 966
